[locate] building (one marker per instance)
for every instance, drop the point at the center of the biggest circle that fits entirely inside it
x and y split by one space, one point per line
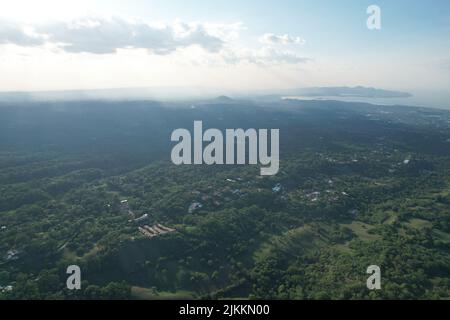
277 188
194 206
141 218
12 255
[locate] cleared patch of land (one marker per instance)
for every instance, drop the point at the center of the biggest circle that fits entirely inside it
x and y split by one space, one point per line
361 230
140 293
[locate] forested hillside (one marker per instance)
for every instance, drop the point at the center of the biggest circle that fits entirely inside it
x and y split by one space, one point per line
91 183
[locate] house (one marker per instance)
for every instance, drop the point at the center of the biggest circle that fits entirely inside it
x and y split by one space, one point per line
155 230
166 228
313 196
142 218
194 206
277 188
146 232
151 230
6 289
12 255
124 205
159 230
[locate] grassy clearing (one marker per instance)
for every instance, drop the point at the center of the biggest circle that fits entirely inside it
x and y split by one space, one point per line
140 293
419 223
442 235
361 230
293 242
343 248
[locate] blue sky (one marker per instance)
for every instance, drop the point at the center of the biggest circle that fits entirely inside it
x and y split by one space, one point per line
405 22
326 42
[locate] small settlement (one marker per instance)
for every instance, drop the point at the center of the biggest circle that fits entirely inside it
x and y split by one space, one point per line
143 224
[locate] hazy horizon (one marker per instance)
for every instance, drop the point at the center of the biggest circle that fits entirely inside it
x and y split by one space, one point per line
431 99
232 46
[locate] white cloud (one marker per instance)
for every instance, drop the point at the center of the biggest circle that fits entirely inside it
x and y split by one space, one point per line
262 56
103 36
13 33
272 39
199 43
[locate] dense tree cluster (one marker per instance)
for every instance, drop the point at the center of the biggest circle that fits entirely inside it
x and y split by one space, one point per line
357 186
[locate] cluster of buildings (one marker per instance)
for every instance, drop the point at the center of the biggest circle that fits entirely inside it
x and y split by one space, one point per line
155 230
12 255
6 289
226 194
143 222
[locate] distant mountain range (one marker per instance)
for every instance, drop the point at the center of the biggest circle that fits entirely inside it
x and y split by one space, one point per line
223 99
185 93
361 92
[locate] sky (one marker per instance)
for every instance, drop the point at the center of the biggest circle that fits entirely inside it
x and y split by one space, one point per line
229 44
